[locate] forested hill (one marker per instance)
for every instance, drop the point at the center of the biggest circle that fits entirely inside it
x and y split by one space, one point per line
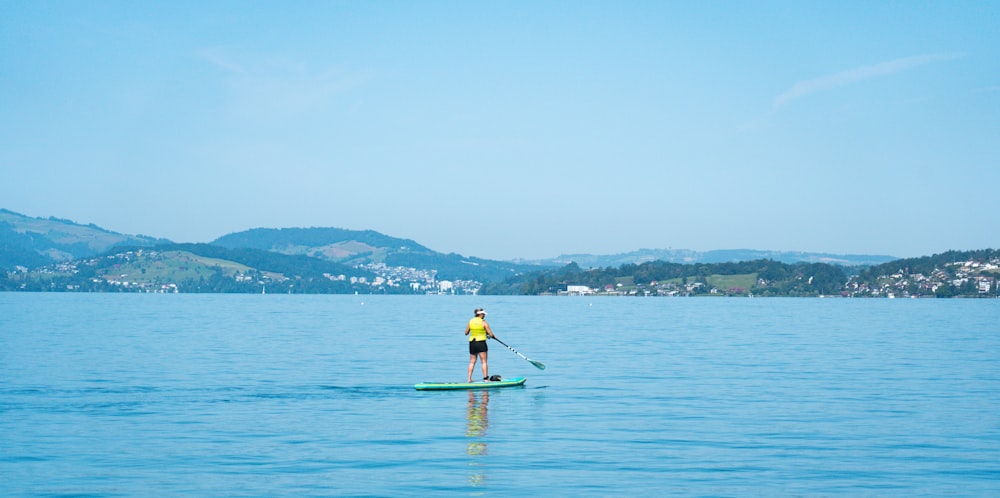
335 244
193 268
370 249
295 265
926 265
950 274
688 256
32 242
762 277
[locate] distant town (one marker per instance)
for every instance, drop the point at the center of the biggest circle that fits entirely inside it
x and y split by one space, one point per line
419 281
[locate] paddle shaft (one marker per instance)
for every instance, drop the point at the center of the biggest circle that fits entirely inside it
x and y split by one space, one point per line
539 365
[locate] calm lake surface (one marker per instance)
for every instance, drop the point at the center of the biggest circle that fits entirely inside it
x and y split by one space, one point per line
267 395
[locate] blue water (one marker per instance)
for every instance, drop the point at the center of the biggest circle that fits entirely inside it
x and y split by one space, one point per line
219 395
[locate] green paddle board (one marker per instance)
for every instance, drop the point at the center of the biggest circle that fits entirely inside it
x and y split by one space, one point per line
479 384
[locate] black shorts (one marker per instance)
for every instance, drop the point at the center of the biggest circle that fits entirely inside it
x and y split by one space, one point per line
476 347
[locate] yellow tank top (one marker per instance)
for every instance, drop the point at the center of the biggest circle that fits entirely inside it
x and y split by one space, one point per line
477 330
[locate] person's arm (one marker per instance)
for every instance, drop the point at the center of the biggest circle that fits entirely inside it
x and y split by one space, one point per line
466 329
489 331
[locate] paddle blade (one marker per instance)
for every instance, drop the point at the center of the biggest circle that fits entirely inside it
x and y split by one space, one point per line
539 365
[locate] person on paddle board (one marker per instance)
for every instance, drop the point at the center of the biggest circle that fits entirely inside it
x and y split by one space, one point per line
478 331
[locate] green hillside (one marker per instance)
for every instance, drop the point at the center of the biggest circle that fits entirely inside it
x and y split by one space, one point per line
333 244
193 268
151 267
353 247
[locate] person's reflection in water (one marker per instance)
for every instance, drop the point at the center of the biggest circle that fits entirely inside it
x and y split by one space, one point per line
478 423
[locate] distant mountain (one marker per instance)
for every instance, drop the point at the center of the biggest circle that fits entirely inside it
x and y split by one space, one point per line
687 256
355 247
32 242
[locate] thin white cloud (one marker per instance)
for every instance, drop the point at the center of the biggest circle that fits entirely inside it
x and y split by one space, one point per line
809 87
218 58
274 85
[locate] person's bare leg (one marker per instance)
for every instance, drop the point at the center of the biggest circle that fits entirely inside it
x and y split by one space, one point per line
486 369
472 365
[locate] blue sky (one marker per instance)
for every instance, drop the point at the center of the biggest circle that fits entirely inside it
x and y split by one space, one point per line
512 129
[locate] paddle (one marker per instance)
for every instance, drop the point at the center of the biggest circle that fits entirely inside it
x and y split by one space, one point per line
539 365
